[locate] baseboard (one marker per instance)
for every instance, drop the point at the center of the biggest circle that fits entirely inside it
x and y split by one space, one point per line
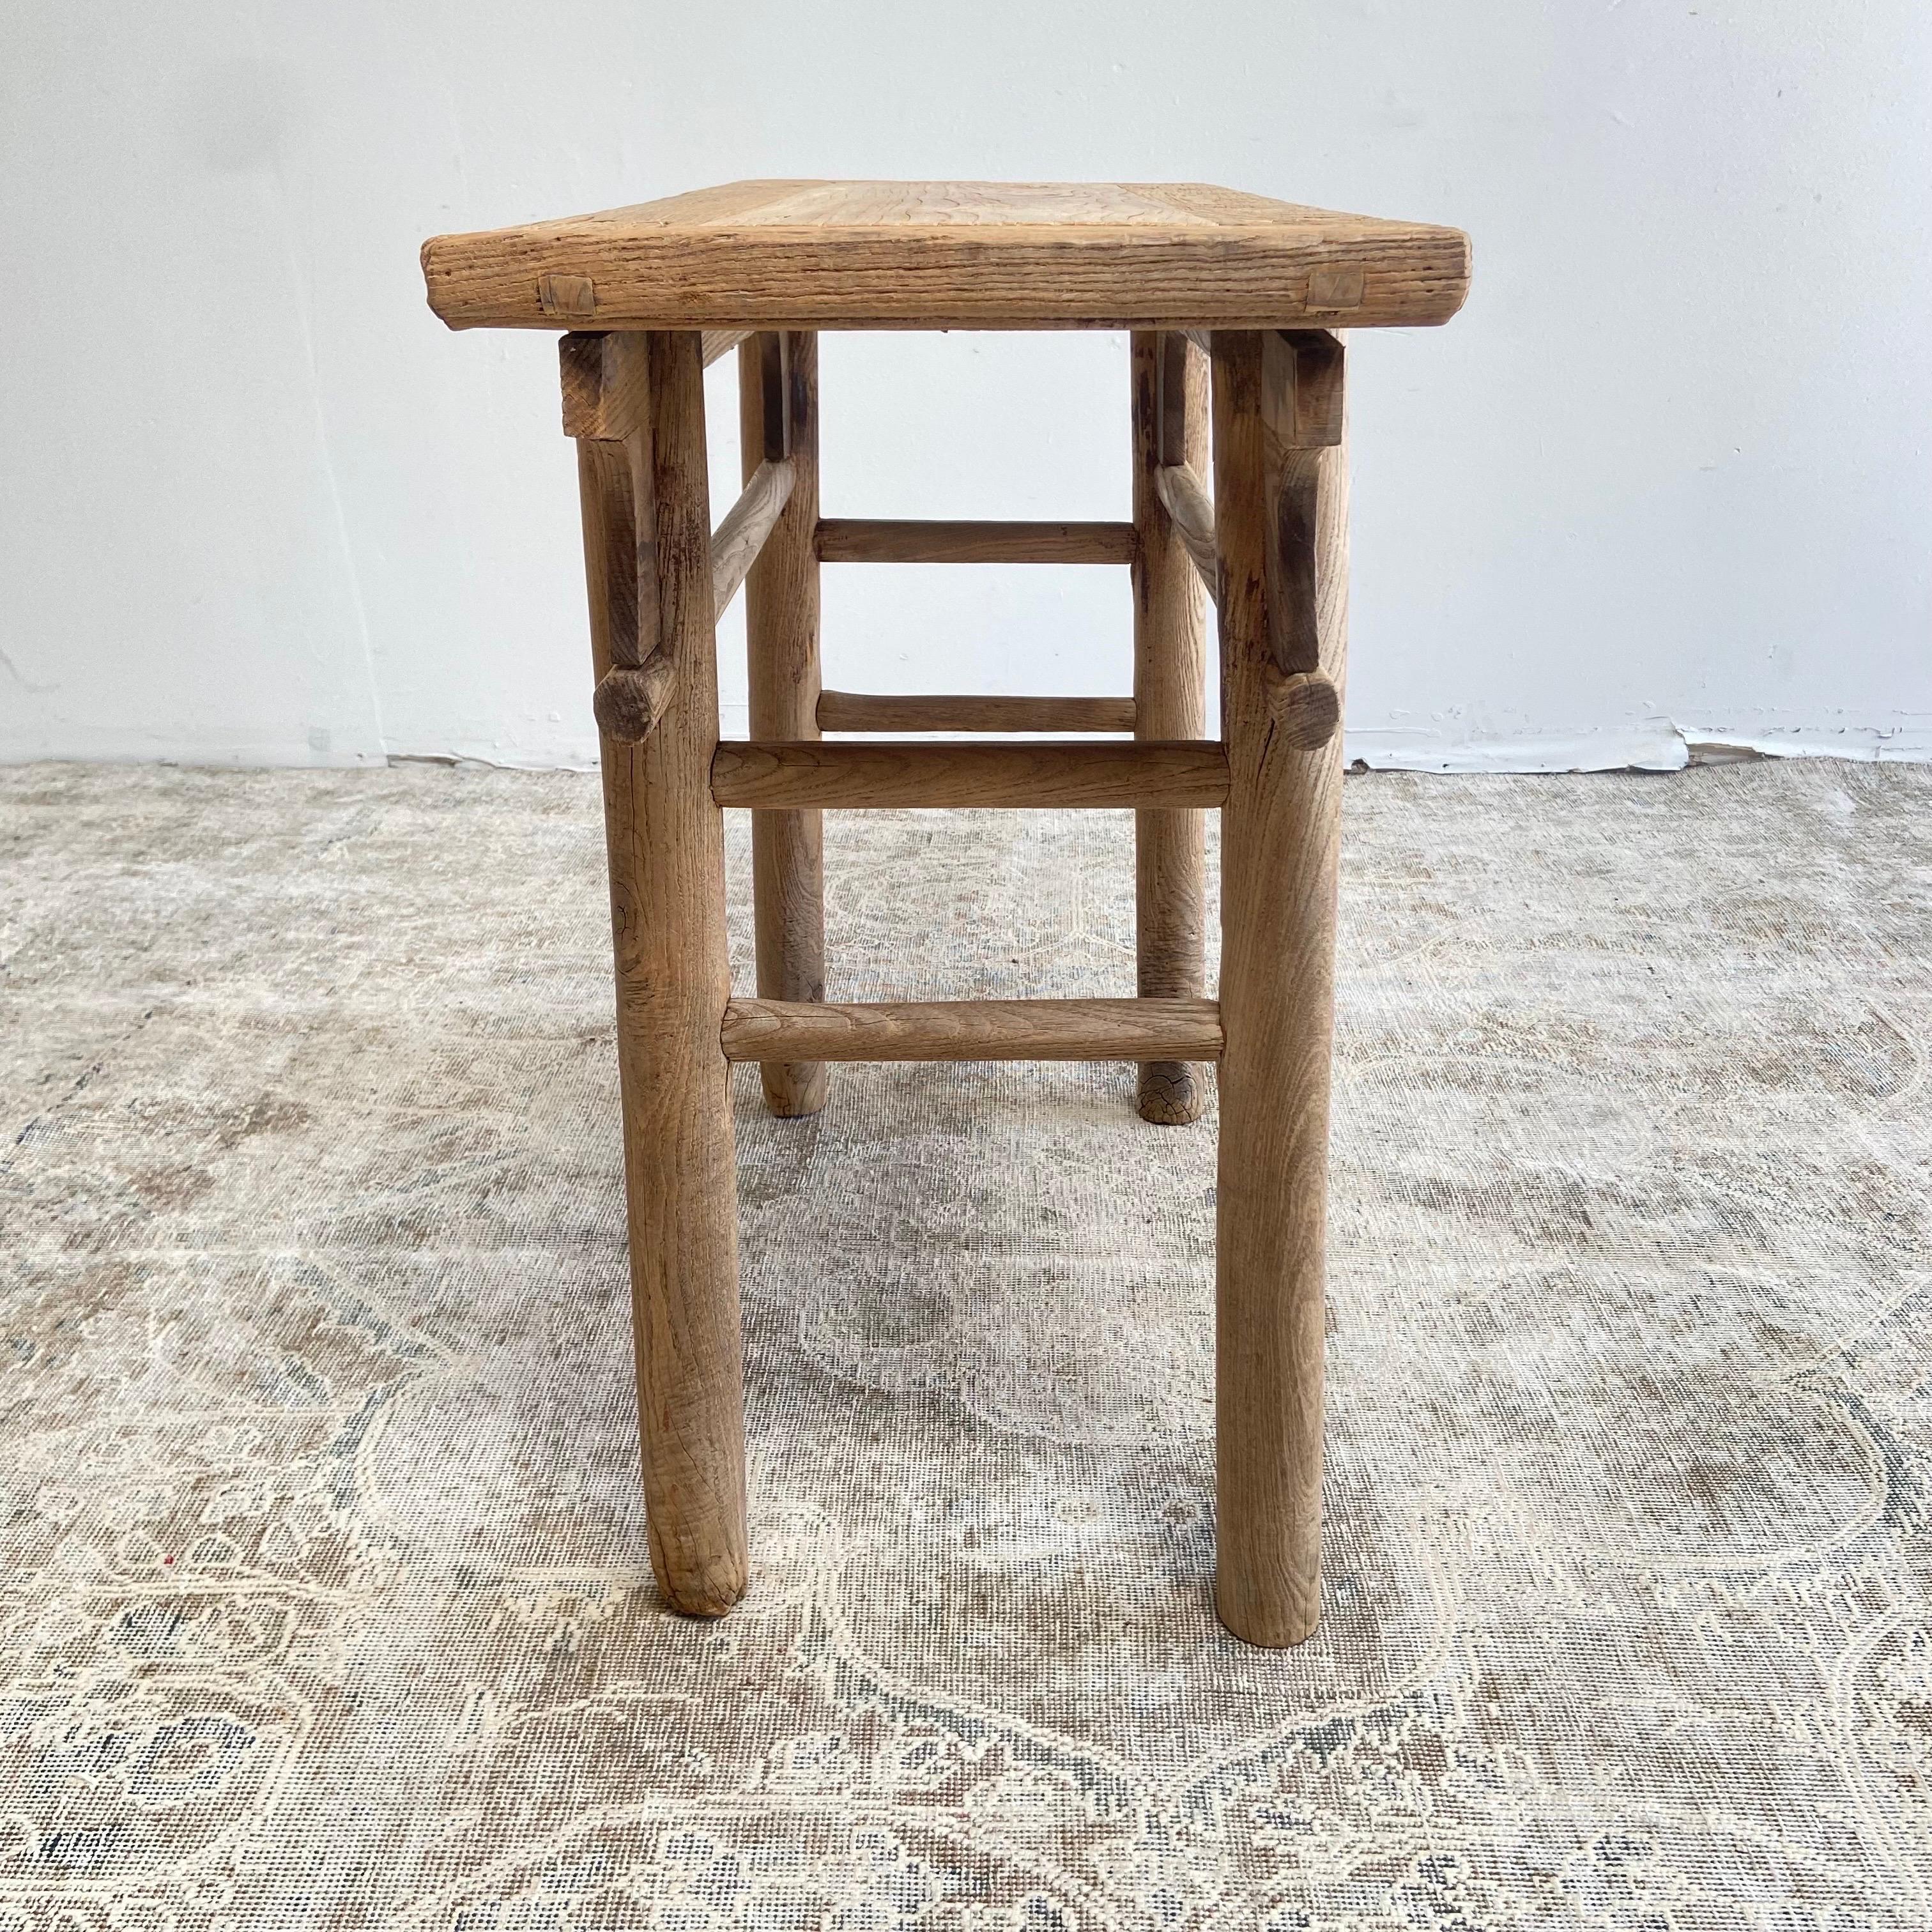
1660 747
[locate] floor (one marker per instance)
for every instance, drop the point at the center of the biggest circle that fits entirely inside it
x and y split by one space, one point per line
323 1600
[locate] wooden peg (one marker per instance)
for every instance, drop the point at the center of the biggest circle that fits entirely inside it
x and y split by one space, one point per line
630 699
1337 288
1305 707
572 296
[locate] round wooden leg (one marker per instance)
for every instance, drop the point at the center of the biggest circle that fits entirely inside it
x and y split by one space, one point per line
1280 504
1170 424
778 384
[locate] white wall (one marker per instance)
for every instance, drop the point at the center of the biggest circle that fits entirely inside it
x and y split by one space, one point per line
1667 475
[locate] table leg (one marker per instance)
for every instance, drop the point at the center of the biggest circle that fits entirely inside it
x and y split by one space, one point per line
1280 502
646 519
1170 425
777 379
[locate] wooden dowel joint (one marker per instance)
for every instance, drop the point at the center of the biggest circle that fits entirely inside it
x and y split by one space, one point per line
630 699
1305 707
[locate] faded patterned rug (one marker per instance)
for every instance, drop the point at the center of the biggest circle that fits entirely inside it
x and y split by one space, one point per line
324 1596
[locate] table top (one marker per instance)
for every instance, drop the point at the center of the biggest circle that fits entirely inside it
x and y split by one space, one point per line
858 254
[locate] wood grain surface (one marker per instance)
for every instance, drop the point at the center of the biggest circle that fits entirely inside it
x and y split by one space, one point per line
647 516
741 532
864 711
862 254
1169 428
1190 510
911 540
1280 843
628 702
762 1030
778 416
891 774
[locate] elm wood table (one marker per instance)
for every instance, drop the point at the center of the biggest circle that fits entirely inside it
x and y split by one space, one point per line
1228 296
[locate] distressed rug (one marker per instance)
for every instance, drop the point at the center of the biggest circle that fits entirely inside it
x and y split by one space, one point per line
324 1602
